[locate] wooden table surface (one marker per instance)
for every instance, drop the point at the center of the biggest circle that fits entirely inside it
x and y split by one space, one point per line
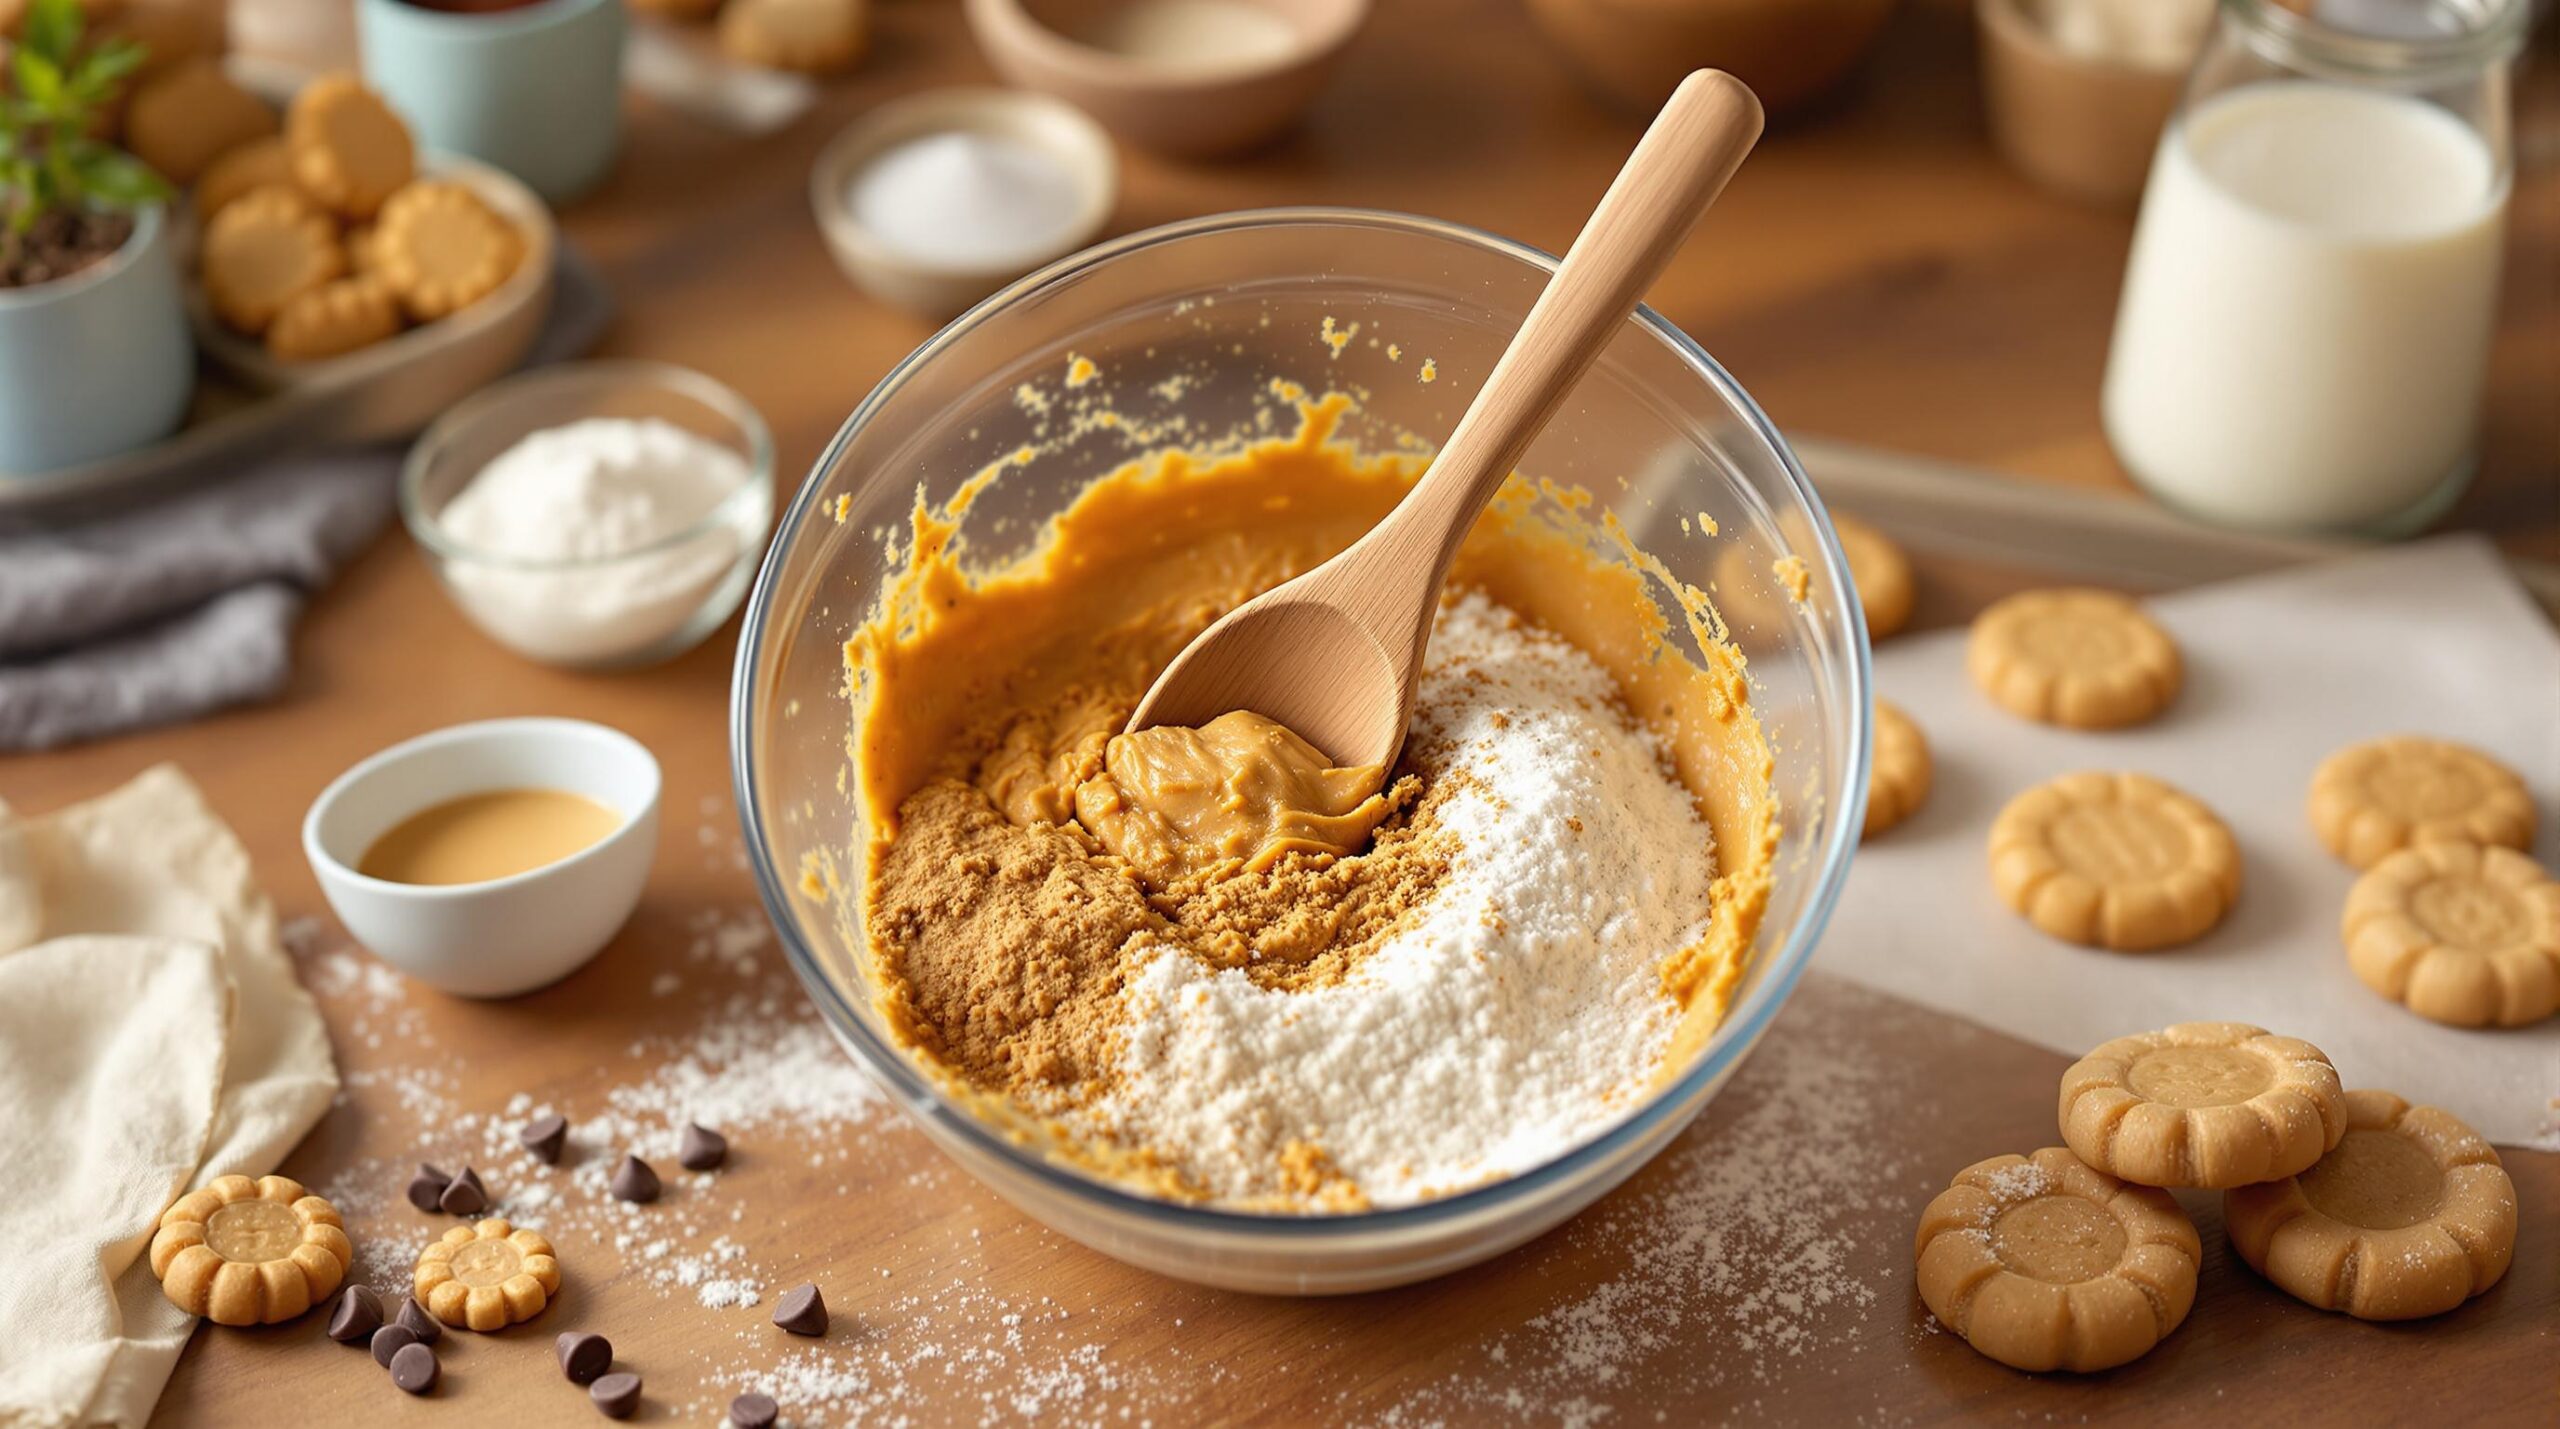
1873 275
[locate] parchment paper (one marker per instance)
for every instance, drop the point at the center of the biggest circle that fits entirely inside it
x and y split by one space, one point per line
2281 670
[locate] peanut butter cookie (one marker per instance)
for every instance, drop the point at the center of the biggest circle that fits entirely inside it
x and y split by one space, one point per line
2370 800
260 163
243 1252
335 318
1899 782
486 1276
2086 659
442 248
2119 861
2211 1104
184 119
1882 573
263 250
2411 1215
2463 934
811 36
2042 1263
349 150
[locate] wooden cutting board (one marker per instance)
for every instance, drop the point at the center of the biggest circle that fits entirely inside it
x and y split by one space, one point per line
1758 1271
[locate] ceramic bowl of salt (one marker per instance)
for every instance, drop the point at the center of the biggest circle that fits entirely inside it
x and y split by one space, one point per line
934 201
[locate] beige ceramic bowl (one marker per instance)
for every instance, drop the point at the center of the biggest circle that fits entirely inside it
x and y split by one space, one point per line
479 344
2082 126
1191 110
1790 52
938 287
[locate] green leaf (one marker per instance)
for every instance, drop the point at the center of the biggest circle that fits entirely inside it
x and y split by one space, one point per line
53 30
39 79
104 66
115 177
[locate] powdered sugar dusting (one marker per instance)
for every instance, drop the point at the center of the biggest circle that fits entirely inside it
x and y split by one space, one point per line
1517 1017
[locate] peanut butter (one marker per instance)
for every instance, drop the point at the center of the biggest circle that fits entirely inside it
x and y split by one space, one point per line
1176 802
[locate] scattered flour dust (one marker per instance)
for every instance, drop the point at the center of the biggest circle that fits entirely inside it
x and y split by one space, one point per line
759 1066
1736 1262
1521 1013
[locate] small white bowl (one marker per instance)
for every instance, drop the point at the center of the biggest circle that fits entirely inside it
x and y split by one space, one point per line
939 288
507 935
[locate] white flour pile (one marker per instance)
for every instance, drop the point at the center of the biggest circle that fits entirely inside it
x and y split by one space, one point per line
579 519
1518 1016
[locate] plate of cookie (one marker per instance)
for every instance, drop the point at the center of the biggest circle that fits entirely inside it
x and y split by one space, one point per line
328 250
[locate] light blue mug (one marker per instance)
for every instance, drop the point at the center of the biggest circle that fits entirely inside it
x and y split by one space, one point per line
99 363
535 90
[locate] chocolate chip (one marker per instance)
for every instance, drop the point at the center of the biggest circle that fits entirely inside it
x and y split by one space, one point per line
357 1315
753 1411
466 1196
414 1318
802 1312
616 1395
391 1340
414 1369
427 1187
544 1136
703 1148
634 1181
582 1356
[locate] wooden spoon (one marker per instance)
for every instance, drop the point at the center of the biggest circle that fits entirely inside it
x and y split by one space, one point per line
1334 654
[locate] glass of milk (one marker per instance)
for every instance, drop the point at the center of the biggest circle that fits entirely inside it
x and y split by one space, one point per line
2307 312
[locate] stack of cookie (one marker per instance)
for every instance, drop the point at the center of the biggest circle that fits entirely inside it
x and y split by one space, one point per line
322 238
2079 1259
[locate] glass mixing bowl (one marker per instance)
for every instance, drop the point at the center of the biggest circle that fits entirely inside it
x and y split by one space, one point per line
1194 322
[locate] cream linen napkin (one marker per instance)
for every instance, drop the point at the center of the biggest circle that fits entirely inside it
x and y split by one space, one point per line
2434 639
152 1037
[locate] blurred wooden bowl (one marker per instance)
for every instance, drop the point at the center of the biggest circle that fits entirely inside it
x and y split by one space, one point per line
1791 52
1186 111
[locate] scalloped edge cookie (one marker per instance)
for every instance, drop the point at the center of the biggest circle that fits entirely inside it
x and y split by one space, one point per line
2079 658
2463 935
519 1295
199 1278
1899 772
264 249
442 248
2167 1108
350 151
2304 1232
2361 795
1990 1265
2039 878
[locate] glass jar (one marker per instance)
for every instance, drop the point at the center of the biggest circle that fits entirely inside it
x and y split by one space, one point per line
2306 318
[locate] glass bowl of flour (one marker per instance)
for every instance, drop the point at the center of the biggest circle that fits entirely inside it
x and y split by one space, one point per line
1227 330
594 515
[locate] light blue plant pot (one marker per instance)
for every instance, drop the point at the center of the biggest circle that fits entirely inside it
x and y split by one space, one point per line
536 90
98 363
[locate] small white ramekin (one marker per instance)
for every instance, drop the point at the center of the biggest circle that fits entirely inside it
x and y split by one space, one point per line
938 288
507 935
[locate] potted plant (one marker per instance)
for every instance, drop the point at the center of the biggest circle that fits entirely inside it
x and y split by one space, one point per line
95 356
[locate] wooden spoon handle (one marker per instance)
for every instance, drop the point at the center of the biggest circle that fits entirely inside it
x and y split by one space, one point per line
1678 167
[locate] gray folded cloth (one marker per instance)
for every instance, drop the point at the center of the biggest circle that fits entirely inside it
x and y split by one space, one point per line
172 609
